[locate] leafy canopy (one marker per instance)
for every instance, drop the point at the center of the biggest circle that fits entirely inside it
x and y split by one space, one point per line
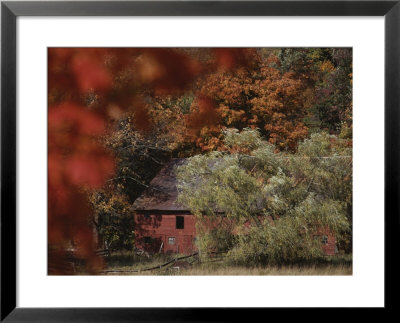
261 206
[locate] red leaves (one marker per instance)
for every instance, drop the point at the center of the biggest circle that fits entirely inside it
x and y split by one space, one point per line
167 71
75 118
90 72
142 119
75 160
90 170
85 87
229 58
68 229
78 70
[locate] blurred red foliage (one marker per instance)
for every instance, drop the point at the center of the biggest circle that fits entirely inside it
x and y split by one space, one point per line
85 87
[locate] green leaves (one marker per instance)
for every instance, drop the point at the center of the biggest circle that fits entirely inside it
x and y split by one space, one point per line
276 201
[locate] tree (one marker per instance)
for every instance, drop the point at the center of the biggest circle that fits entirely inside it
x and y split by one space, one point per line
327 73
258 95
138 158
116 115
334 92
113 220
88 88
268 205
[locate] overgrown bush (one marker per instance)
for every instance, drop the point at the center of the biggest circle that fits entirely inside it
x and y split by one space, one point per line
260 206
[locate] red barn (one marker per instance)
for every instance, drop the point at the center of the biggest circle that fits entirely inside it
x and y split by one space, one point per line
163 225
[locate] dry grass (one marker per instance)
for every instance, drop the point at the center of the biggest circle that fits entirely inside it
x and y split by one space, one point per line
328 270
272 271
217 268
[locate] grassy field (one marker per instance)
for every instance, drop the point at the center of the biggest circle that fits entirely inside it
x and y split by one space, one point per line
246 271
127 264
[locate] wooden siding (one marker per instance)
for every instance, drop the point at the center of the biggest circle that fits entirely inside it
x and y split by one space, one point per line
155 232
160 228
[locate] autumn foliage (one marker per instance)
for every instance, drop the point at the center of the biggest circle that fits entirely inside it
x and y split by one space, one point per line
88 87
258 97
110 106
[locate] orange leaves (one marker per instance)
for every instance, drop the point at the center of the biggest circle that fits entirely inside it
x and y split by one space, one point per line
257 96
326 66
203 124
203 114
231 116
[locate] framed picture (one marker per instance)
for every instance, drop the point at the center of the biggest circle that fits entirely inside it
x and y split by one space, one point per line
34 285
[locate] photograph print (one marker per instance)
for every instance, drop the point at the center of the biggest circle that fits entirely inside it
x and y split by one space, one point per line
200 161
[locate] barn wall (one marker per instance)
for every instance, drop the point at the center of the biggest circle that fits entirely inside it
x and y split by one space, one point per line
329 247
162 229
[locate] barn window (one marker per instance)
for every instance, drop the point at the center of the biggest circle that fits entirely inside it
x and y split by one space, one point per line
324 239
180 222
147 240
171 240
147 216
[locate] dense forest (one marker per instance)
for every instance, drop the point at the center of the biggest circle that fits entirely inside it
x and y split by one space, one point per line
276 122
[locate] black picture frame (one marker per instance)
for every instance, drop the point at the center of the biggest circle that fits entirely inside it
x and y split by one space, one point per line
10 10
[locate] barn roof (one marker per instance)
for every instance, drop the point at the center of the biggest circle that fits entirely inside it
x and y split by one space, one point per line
162 193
